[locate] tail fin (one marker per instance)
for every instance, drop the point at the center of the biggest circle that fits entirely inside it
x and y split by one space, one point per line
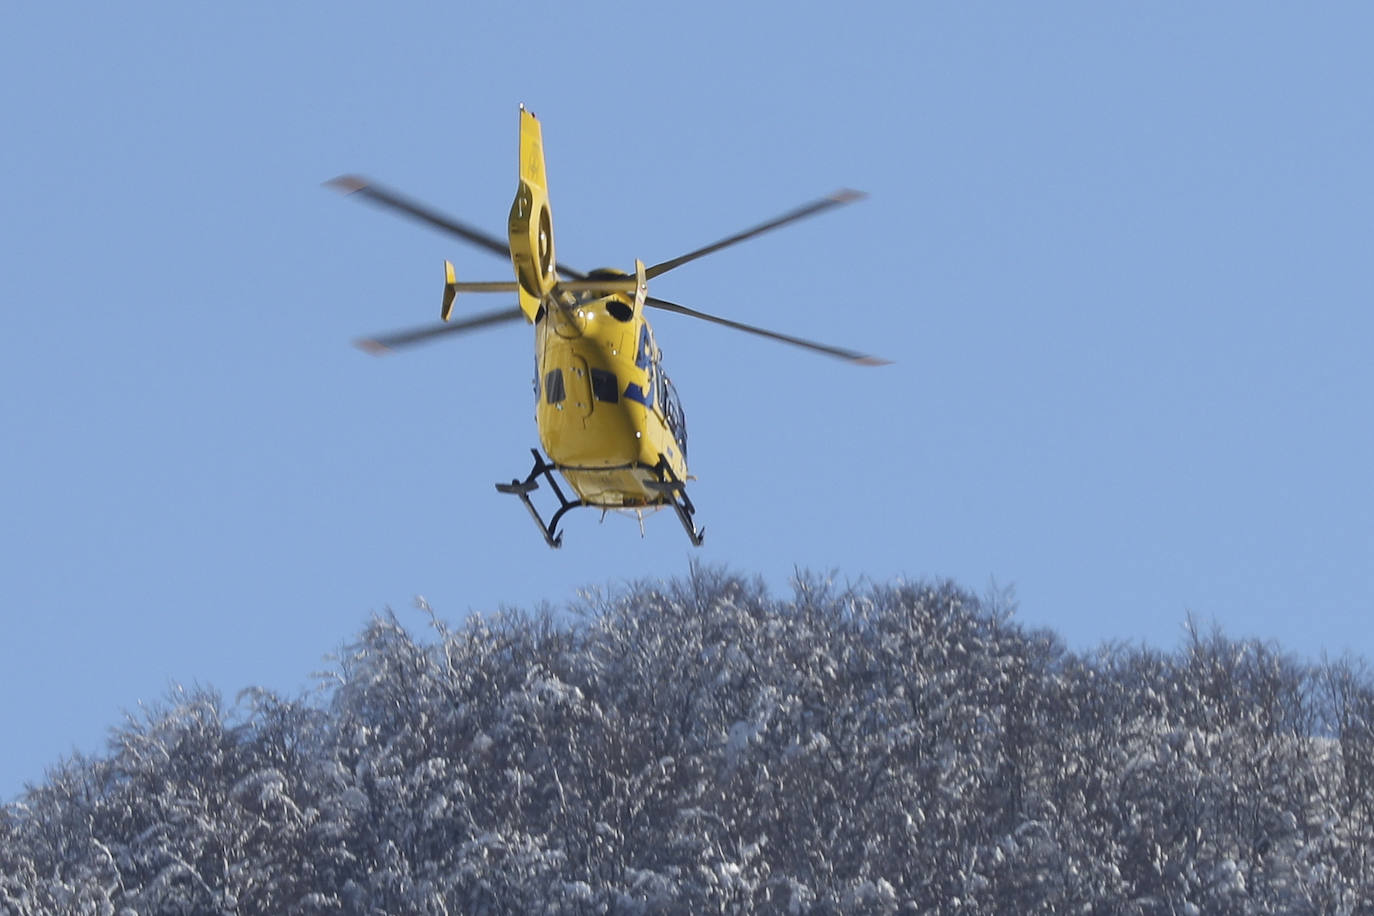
450 291
531 223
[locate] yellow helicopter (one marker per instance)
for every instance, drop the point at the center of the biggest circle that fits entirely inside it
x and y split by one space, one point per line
609 418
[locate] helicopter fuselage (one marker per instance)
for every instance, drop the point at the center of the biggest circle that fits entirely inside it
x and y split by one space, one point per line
607 414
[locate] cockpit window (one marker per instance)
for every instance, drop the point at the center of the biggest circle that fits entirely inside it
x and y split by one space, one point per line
605 386
553 386
672 411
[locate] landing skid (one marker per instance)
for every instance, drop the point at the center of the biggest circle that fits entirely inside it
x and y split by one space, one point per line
522 489
673 490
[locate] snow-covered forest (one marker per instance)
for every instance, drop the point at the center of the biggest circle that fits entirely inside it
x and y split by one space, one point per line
701 746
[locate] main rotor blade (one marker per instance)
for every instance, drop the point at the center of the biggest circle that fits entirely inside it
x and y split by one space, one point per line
859 359
839 198
385 197
379 346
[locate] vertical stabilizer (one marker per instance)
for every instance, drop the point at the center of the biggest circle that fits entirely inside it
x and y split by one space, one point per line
531 222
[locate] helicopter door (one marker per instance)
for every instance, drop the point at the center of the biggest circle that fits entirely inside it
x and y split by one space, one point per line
578 383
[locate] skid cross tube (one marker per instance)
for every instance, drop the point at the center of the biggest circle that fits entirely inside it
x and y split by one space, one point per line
522 489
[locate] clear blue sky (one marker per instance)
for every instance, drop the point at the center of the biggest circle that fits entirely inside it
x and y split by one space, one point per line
1119 253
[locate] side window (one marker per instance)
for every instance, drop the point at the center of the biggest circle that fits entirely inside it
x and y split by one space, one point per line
605 386
553 386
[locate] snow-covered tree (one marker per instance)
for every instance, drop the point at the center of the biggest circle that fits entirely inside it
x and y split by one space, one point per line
700 746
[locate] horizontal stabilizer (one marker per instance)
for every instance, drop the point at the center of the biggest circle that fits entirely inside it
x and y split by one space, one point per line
619 285
452 288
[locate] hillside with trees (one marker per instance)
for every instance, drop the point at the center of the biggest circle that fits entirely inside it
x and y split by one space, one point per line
701 746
